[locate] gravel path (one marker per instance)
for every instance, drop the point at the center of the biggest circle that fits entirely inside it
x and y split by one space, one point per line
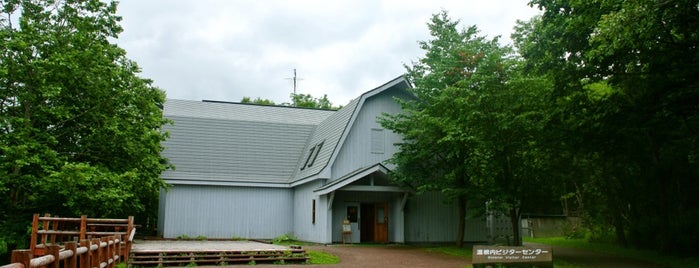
382 256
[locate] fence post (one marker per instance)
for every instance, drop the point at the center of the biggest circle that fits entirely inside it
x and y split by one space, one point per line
35 229
83 227
23 256
104 253
112 252
85 258
72 262
124 248
45 224
53 224
55 250
96 256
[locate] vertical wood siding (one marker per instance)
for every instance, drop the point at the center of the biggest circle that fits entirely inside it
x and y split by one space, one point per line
429 219
304 228
227 212
356 152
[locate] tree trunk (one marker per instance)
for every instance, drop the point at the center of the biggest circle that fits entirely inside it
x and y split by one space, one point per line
619 228
462 221
516 232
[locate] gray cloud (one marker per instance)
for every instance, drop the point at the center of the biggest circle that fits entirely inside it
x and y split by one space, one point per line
225 50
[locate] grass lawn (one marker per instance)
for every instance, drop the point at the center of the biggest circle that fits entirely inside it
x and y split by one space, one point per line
316 256
320 257
646 255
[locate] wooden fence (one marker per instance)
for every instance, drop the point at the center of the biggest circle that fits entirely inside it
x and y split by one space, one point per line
75 242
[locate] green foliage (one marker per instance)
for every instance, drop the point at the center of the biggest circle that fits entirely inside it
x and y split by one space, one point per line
80 132
626 114
297 100
474 130
257 100
285 238
308 101
615 249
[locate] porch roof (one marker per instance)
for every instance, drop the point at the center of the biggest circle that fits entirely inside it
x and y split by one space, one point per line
344 182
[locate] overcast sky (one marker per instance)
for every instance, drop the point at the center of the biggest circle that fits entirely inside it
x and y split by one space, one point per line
225 50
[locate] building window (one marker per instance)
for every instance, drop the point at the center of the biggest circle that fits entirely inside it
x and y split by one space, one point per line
313 212
320 145
377 141
312 155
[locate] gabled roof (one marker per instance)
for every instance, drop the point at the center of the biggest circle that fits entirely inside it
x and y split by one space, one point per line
333 131
220 143
352 177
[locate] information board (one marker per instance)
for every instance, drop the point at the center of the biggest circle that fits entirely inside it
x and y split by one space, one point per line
541 255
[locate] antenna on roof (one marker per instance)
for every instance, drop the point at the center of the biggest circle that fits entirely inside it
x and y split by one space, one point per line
294 79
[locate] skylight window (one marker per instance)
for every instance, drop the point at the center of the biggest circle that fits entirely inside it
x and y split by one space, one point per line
312 155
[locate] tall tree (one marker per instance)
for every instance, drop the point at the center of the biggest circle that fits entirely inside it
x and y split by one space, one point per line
471 131
627 79
80 132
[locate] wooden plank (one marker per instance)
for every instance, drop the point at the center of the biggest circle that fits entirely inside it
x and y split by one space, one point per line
54 232
47 217
96 220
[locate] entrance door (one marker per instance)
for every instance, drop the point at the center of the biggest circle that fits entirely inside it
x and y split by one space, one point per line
374 222
381 223
367 222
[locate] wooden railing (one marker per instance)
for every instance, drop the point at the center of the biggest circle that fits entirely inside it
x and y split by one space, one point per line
75 242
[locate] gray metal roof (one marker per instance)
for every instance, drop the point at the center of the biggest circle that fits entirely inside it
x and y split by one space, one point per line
244 112
224 142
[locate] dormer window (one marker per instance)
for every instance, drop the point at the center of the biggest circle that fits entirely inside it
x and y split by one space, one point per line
312 155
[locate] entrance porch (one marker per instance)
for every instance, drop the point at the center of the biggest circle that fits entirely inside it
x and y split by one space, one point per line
372 204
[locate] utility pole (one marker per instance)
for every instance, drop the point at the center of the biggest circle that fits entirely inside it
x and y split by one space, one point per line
294 79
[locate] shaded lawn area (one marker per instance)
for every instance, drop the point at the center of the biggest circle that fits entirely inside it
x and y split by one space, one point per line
644 255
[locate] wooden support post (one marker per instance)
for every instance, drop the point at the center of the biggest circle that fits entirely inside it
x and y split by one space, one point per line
113 250
107 252
23 256
33 240
55 250
72 261
45 224
124 248
83 227
96 255
54 227
85 258
130 225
